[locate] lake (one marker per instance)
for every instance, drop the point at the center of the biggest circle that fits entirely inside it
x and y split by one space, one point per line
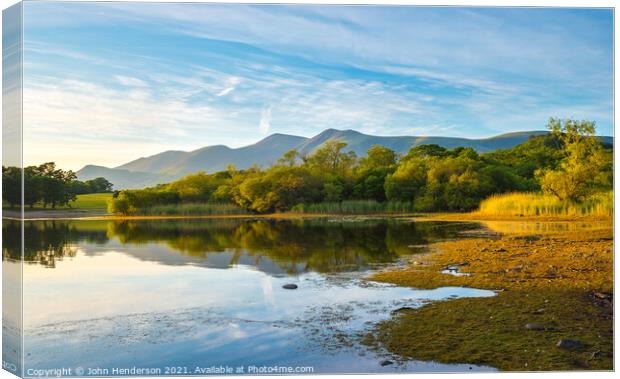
189 297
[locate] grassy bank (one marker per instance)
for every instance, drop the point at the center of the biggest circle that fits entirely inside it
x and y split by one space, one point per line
87 202
554 280
539 205
91 201
190 209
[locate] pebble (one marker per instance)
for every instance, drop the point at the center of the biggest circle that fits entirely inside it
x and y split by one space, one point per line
534 326
569 344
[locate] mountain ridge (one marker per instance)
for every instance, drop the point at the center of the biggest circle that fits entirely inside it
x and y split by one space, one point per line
173 164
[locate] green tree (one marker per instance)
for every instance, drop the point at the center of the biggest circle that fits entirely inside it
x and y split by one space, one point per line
378 157
331 159
12 185
289 158
582 169
408 181
98 185
279 189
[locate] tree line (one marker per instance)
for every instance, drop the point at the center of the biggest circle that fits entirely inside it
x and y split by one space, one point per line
46 185
569 162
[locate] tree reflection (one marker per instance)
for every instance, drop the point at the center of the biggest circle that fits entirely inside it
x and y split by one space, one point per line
321 245
45 242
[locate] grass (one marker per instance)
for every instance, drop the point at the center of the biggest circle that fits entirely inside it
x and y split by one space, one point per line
549 278
535 204
193 209
87 202
354 207
91 201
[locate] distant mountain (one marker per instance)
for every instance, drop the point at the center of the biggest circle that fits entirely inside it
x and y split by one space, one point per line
360 143
123 179
171 165
216 158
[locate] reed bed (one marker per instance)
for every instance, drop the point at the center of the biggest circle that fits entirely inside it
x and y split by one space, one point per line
193 209
354 207
536 204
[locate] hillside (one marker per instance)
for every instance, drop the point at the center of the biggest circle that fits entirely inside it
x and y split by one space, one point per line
124 178
170 165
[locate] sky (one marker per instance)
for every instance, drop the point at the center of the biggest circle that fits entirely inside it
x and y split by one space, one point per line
106 83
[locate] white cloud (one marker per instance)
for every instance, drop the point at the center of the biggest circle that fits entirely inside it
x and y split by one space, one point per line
225 91
265 121
83 114
231 83
449 77
130 81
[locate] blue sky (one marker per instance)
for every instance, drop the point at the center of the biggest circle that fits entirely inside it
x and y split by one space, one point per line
110 82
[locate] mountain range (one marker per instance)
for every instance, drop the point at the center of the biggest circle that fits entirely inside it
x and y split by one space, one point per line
170 165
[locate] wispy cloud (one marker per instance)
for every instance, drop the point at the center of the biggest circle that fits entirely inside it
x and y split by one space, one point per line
265 121
225 91
188 75
130 82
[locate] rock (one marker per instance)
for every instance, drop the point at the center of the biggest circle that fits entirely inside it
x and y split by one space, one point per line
290 286
569 344
539 311
401 309
602 295
516 269
386 363
534 326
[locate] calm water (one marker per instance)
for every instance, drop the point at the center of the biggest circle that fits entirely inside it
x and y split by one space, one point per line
102 295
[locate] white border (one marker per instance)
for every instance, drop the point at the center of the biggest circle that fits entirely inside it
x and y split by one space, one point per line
485 3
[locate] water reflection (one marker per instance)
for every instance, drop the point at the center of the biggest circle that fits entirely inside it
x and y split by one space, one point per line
210 292
280 247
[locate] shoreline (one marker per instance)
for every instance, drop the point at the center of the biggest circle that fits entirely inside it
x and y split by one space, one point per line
76 214
552 285
42 216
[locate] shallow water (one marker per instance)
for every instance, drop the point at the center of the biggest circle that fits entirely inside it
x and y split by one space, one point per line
196 294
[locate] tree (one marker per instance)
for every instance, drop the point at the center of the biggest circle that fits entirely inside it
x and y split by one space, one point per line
425 151
289 158
279 189
371 174
331 159
198 187
378 157
407 182
12 185
582 169
99 185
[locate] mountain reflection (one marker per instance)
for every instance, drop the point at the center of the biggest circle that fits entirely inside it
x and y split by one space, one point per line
274 246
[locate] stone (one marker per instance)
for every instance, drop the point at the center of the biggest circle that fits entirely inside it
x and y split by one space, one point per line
386 363
569 344
290 286
602 295
401 309
516 269
534 326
